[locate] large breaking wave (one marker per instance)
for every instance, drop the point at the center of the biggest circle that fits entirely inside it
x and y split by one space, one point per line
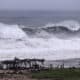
65 29
52 41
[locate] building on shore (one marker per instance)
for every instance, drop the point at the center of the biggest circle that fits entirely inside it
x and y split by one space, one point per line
17 64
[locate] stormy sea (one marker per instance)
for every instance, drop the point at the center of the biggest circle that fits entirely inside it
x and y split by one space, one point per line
51 35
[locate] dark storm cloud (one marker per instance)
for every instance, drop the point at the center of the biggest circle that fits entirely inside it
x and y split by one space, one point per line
40 4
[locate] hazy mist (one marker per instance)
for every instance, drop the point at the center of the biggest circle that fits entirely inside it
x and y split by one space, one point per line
39 4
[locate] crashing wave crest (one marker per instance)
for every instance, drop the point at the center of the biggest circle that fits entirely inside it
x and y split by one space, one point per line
70 24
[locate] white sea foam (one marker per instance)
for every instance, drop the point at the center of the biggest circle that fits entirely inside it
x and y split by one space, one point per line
15 42
11 31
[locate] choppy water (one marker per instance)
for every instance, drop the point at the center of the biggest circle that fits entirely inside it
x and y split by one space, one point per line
39 34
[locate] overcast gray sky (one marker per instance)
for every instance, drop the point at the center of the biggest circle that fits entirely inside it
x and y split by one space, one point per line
40 4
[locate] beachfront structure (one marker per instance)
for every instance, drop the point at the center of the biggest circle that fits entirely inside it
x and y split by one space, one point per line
23 64
39 64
